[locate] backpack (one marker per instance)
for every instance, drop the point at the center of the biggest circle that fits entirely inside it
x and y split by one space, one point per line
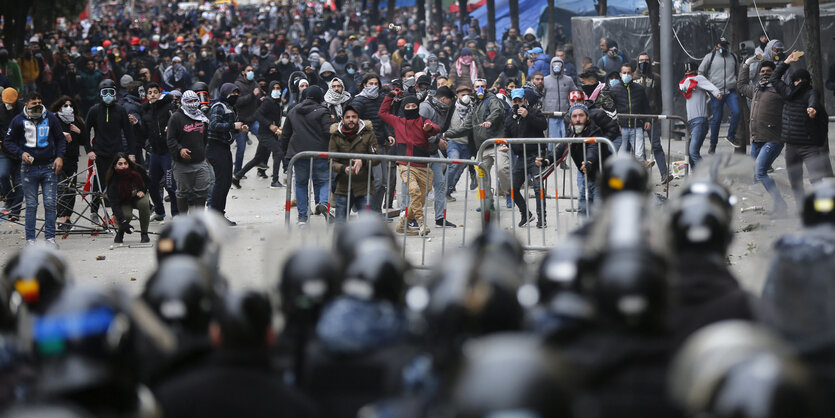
620 58
710 61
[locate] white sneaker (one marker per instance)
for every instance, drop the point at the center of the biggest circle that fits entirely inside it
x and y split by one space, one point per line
51 243
30 242
302 224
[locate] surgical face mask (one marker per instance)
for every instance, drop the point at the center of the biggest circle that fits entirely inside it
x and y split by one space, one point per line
204 54
613 82
250 75
643 67
465 100
108 99
285 61
626 78
351 71
275 94
35 112
432 65
409 82
557 68
578 129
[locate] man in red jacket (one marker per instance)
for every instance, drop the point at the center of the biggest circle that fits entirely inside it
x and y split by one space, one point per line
411 134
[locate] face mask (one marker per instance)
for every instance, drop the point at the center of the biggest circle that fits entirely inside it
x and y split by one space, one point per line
643 67
479 92
557 68
433 65
578 129
613 82
721 51
285 61
351 71
411 113
465 100
626 78
35 113
588 89
250 75
371 91
108 99
764 80
66 114
204 54
9 106
232 99
275 94
192 107
409 82
385 59
422 95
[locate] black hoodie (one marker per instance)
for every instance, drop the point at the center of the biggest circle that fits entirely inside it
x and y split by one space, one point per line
268 113
306 128
109 123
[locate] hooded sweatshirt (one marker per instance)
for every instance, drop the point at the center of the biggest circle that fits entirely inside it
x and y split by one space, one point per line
557 87
720 70
768 55
326 66
222 118
307 127
268 113
110 123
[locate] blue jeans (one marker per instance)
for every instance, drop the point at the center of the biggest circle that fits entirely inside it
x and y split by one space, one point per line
717 108
10 186
340 202
698 130
438 181
320 184
765 153
240 141
632 138
34 178
556 127
158 165
456 151
658 149
594 192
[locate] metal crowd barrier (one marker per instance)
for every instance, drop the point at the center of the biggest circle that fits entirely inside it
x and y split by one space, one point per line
388 159
669 136
488 207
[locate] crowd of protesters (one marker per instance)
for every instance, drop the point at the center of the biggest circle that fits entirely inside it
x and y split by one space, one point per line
179 91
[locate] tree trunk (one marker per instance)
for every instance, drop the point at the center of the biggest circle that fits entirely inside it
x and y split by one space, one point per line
514 14
812 35
421 16
374 16
15 25
738 26
463 14
491 20
655 24
602 7
392 4
549 33
439 16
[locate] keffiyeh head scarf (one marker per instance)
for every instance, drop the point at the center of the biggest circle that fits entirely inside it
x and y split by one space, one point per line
334 99
192 110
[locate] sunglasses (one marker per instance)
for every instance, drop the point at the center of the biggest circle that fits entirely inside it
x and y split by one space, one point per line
108 92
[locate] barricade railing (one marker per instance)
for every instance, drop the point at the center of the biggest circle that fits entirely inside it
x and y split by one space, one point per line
669 158
387 172
487 207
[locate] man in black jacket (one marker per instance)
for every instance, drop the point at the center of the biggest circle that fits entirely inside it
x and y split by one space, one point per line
367 104
155 114
805 127
586 156
307 128
245 107
268 116
223 122
630 98
109 123
526 123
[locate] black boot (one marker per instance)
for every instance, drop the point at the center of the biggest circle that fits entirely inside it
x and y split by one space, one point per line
712 149
144 238
120 236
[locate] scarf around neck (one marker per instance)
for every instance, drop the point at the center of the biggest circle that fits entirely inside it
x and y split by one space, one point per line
468 61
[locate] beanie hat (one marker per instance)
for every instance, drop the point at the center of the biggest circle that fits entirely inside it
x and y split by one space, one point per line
9 95
578 106
444 91
801 74
314 93
125 80
466 51
410 99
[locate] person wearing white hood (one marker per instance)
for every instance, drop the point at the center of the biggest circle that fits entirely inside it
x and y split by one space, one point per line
326 74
